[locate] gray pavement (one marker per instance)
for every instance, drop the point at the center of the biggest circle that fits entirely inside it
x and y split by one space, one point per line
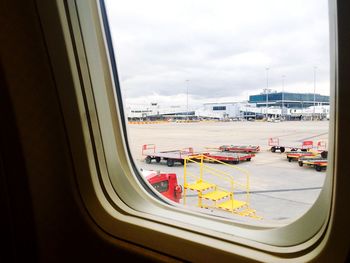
281 191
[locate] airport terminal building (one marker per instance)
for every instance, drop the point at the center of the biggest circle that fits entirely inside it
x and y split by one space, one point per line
295 106
289 100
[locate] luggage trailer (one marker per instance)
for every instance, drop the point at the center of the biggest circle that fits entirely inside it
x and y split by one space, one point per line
275 145
318 163
171 157
229 157
239 148
296 155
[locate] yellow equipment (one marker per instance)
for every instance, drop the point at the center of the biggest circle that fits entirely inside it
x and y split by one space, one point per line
213 195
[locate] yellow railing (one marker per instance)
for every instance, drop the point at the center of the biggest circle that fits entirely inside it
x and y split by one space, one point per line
217 173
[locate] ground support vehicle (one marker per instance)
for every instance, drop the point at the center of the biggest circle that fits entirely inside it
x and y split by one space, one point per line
164 183
318 163
171 157
240 148
295 155
275 145
229 157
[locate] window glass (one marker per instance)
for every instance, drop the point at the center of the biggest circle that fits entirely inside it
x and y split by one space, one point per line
232 97
219 108
161 186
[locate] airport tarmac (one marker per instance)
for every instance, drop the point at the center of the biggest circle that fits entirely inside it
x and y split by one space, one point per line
280 191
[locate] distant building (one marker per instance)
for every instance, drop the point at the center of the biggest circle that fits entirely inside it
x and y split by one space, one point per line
234 111
221 110
290 100
295 106
245 110
155 111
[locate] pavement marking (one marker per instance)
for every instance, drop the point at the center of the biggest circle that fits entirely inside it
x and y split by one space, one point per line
311 137
286 199
271 191
281 190
286 134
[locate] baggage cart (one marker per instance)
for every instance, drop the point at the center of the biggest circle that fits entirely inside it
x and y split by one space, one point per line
170 157
240 148
229 157
296 155
318 163
275 145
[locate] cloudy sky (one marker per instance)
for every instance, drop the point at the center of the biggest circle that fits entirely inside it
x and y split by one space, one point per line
218 50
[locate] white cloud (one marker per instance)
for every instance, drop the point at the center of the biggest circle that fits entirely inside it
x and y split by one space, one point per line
222 47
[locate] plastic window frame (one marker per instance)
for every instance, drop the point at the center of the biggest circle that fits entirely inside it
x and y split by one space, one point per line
106 184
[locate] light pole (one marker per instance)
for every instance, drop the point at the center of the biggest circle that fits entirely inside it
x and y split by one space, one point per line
267 91
187 98
283 76
313 115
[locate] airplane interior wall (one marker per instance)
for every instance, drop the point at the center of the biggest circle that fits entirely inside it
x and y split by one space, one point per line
42 216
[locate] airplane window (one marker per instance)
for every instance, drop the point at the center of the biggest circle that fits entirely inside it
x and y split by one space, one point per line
232 96
208 124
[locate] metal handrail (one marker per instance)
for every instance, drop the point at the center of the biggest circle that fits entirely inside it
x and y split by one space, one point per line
216 172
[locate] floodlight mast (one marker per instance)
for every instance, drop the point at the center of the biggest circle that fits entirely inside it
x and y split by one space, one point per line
187 99
282 114
267 91
313 115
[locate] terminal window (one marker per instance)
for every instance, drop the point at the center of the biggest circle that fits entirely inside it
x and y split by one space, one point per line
219 108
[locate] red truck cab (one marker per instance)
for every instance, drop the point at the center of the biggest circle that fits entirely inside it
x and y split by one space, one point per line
165 183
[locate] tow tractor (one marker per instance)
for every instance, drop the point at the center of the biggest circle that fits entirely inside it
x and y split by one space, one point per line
164 183
240 148
319 163
275 145
171 157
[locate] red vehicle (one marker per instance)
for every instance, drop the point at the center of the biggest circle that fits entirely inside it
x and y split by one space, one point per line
165 183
